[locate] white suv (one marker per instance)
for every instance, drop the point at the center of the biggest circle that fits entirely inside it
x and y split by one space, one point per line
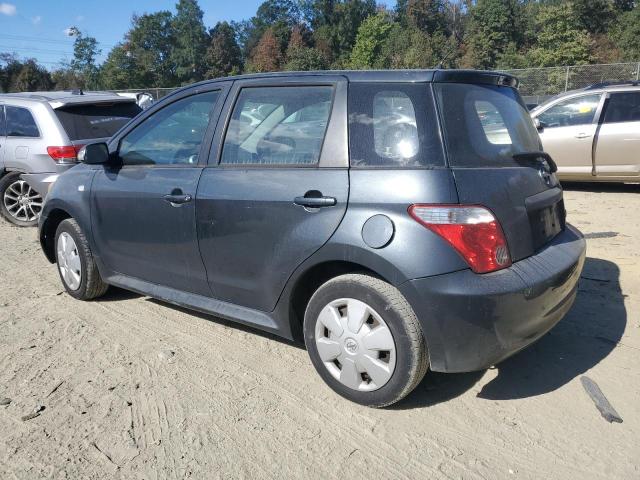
40 135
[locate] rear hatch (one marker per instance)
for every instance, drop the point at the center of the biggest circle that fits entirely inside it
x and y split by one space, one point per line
493 150
89 122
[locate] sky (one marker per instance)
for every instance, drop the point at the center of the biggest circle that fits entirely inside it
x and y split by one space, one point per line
36 28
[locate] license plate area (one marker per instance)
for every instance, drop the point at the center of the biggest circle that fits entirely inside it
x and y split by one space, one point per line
546 223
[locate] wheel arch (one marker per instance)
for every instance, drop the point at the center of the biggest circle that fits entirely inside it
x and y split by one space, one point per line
48 231
308 281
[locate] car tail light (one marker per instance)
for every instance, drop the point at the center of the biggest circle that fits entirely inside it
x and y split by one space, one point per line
472 231
67 154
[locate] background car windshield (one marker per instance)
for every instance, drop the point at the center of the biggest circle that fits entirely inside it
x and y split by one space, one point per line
485 125
95 121
570 112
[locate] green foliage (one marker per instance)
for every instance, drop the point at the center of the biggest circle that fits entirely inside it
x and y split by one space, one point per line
493 25
85 51
627 35
22 76
190 42
560 38
373 35
163 49
223 55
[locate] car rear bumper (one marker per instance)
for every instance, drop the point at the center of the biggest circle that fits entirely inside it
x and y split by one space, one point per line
41 182
473 321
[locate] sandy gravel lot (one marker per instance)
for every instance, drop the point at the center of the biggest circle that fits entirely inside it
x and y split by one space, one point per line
132 388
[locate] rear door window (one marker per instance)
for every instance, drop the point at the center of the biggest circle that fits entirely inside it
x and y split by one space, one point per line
393 125
485 125
3 130
278 126
88 121
571 112
20 123
623 107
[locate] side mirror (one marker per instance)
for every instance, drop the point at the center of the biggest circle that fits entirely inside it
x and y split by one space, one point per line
539 125
94 154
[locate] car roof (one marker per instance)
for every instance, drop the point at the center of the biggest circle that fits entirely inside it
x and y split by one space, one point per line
59 98
391 76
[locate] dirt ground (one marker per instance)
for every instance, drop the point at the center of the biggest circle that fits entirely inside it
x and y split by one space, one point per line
132 388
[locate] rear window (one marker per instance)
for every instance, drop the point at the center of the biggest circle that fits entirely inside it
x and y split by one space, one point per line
95 121
485 125
393 125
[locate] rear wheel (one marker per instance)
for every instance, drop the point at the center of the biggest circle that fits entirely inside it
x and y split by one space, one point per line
365 340
77 268
20 204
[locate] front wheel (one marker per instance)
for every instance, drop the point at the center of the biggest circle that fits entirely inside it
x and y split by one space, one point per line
364 340
76 265
19 203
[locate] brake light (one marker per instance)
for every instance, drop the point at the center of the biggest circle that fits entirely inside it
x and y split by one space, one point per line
67 154
472 231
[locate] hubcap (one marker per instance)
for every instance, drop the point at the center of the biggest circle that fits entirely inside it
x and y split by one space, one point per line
69 261
355 344
22 202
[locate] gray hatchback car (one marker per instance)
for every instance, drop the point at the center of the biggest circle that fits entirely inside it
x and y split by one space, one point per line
40 135
376 215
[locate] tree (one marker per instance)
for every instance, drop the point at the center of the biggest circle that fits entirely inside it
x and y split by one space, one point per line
121 70
85 51
560 39
594 16
372 37
23 76
427 15
300 56
223 55
493 25
627 35
190 42
266 57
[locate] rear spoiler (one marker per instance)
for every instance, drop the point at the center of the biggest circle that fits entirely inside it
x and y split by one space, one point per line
475 76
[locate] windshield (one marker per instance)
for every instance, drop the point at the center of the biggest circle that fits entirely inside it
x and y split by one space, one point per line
100 120
485 125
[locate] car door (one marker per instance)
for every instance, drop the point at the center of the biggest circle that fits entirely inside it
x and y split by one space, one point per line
276 188
22 135
617 151
143 213
3 138
568 129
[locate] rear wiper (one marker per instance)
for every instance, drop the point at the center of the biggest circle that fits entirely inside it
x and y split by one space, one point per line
537 156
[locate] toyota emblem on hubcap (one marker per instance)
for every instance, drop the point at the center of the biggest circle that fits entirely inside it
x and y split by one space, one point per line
351 345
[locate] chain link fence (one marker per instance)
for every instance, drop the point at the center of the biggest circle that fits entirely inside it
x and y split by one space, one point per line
536 84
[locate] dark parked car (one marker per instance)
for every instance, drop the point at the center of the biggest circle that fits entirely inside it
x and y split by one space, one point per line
394 220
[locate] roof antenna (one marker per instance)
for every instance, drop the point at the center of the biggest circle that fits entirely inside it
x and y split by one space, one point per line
440 64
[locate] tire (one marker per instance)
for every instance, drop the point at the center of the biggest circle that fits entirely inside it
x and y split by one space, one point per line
19 203
364 340
76 266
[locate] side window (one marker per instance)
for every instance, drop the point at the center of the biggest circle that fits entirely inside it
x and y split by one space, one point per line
3 130
393 125
172 135
492 123
20 123
278 126
574 111
623 107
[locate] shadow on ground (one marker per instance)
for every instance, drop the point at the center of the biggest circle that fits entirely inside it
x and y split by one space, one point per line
588 333
601 187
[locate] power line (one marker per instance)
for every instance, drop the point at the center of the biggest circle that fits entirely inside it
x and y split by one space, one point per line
35 49
28 38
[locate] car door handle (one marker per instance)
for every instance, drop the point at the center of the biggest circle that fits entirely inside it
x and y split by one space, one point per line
315 202
178 199
583 135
